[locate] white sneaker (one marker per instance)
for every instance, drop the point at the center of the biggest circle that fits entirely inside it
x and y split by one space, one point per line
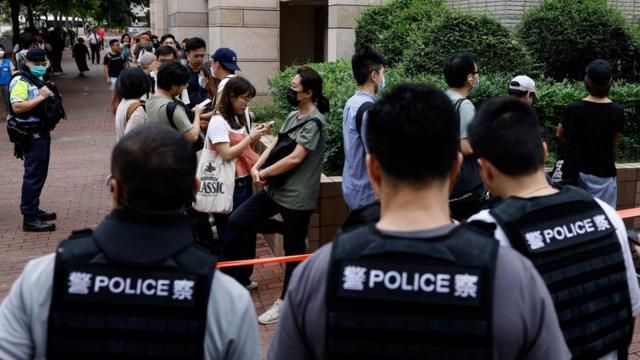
272 315
251 286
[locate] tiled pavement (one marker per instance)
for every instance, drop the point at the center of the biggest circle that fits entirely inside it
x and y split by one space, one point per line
76 189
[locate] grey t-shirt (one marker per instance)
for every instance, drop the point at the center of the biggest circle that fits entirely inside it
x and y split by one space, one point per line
525 324
467 112
301 188
156 108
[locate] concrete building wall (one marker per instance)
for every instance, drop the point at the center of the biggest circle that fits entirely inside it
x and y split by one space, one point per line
510 12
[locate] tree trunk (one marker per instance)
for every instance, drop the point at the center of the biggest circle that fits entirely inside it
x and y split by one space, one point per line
30 14
15 19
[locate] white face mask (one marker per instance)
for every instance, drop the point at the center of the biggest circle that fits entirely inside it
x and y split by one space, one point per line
1 53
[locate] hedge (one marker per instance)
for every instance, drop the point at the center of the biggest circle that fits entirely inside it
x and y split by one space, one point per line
553 96
565 35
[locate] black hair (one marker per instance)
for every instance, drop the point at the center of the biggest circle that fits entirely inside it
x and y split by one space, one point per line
132 83
457 68
2 46
364 62
26 41
517 93
236 86
311 80
123 36
151 159
166 50
172 73
113 41
506 132
195 43
167 36
412 131
597 89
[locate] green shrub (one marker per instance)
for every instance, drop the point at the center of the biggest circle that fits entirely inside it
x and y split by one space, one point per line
553 97
489 41
387 28
565 35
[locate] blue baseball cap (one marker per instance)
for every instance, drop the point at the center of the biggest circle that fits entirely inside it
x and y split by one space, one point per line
227 58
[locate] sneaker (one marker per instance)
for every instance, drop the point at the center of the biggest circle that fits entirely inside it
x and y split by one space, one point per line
251 285
272 315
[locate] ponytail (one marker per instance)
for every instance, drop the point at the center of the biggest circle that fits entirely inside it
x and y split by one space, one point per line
323 104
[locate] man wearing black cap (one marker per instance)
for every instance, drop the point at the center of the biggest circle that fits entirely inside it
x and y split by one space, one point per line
224 67
26 99
594 125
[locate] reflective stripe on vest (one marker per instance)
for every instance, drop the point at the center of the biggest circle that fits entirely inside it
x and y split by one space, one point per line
100 310
574 246
397 298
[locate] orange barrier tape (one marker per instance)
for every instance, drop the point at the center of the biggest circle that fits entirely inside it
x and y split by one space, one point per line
625 214
271 260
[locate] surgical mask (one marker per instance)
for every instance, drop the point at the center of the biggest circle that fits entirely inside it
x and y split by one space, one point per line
476 86
292 98
202 82
381 86
1 53
38 70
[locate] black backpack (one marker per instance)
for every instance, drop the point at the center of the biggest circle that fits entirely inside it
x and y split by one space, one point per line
51 110
171 108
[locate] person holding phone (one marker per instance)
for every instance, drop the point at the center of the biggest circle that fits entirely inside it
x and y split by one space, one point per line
230 135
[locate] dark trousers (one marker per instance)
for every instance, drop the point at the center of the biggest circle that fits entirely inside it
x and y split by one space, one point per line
255 213
202 231
36 154
4 92
237 245
95 53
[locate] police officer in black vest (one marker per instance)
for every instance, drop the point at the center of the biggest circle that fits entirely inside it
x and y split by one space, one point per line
26 101
576 242
414 285
137 287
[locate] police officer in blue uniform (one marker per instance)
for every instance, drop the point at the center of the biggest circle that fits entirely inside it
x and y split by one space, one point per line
137 287
26 103
414 285
577 243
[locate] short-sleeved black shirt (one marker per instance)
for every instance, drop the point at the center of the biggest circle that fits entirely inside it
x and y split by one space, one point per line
592 127
115 62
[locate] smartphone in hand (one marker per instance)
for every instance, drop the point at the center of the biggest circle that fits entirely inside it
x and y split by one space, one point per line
204 103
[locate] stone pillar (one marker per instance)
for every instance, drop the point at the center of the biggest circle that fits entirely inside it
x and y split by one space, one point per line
342 25
158 16
187 18
251 28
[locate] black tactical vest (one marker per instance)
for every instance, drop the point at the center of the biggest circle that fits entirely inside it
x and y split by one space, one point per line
400 298
102 310
573 245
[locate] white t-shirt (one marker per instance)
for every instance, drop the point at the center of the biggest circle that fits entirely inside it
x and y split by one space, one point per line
138 117
632 281
219 129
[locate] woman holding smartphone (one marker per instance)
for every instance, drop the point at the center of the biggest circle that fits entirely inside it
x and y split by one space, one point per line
231 136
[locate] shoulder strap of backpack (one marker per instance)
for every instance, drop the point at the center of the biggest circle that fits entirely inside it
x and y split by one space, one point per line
132 107
32 79
315 120
171 108
458 104
360 114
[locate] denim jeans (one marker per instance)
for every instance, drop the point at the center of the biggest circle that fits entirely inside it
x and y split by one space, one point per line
237 245
254 215
36 153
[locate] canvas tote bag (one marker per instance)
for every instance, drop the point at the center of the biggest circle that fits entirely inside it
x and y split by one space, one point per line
217 181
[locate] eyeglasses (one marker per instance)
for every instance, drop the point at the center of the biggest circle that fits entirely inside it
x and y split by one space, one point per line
475 72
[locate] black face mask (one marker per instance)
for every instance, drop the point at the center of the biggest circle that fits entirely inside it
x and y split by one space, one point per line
292 98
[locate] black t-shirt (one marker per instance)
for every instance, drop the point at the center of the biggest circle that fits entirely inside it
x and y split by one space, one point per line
196 93
115 62
592 127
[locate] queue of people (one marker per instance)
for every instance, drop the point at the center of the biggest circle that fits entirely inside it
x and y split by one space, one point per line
470 252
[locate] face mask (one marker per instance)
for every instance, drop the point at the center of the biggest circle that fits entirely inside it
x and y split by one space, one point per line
1 53
476 86
292 98
381 87
38 70
202 82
